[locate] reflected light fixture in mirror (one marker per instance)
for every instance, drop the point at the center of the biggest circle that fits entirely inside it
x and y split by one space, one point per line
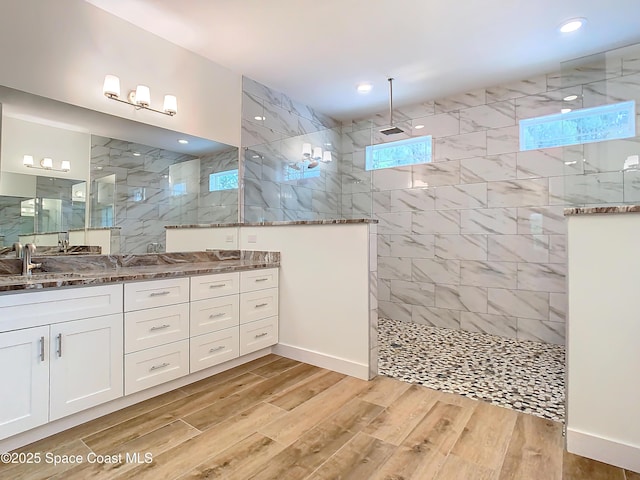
140 98
46 164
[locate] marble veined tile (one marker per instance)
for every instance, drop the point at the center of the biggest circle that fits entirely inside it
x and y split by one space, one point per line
412 246
594 188
473 195
493 115
503 140
412 199
394 268
460 101
612 91
489 168
518 193
557 248
543 277
384 245
412 293
252 106
489 274
465 145
254 134
502 325
436 174
585 70
392 178
548 162
440 271
541 331
462 297
384 290
519 248
396 311
461 247
441 125
295 198
541 104
519 303
435 317
557 307
326 202
398 223
431 222
516 89
381 201
361 203
488 220
417 110
252 87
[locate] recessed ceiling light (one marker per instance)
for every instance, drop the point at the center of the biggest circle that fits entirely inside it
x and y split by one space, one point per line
565 110
364 87
183 141
572 25
136 154
257 117
571 162
418 127
570 98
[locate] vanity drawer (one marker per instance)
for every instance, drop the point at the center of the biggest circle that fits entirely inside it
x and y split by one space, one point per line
214 314
259 279
259 304
155 293
210 286
259 334
155 326
147 368
214 348
29 309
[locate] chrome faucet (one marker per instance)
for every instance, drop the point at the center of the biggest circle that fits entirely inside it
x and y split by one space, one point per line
27 266
17 246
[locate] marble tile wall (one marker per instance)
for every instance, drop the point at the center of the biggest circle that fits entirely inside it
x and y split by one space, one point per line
13 224
145 200
476 240
274 127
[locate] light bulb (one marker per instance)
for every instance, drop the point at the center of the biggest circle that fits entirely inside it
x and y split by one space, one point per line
111 87
65 166
27 161
170 104
317 153
143 95
326 156
46 163
306 149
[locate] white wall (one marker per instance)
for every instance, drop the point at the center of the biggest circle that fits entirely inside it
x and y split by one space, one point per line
603 411
63 49
200 239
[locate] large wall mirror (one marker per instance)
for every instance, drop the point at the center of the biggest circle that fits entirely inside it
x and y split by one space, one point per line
127 180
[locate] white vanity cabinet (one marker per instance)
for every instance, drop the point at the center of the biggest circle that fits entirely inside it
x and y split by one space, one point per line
67 356
156 332
258 309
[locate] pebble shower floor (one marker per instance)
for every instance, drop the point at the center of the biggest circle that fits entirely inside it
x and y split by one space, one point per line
518 374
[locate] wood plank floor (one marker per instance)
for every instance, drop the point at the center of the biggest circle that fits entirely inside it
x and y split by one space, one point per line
275 418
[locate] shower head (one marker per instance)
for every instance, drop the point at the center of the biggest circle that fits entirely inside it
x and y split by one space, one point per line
391 130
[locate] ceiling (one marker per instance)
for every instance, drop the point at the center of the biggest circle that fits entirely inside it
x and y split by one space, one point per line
317 51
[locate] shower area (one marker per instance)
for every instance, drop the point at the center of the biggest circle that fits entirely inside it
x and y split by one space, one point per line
472 252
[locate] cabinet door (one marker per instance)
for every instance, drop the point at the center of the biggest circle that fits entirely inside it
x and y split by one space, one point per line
86 364
24 365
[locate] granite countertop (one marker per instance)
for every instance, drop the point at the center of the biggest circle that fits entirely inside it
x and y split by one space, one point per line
271 224
104 269
600 210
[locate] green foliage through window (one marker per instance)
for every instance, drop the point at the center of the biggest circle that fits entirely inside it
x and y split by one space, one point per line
227 180
399 153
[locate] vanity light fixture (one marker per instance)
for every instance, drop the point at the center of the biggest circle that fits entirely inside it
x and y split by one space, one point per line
140 98
312 156
46 164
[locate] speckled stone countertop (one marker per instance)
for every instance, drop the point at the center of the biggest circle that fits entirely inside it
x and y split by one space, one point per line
9 252
606 209
272 224
62 271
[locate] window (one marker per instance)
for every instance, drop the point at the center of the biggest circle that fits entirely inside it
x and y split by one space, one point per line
227 180
397 154
299 172
586 125
178 189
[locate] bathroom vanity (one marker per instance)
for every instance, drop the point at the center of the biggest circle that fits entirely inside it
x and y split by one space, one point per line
128 329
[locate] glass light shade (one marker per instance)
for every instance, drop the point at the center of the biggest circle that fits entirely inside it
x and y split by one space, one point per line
27 161
326 157
170 104
143 95
65 165
111 87
317 153
46 163
306 149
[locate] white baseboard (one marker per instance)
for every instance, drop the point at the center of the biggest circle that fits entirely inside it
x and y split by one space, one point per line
341 365
604 450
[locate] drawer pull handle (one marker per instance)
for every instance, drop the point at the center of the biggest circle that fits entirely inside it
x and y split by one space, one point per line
216 349
261 279
217 315
157 367
160 327
59 345
219 285
258 305
159 294
42 349
263 334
